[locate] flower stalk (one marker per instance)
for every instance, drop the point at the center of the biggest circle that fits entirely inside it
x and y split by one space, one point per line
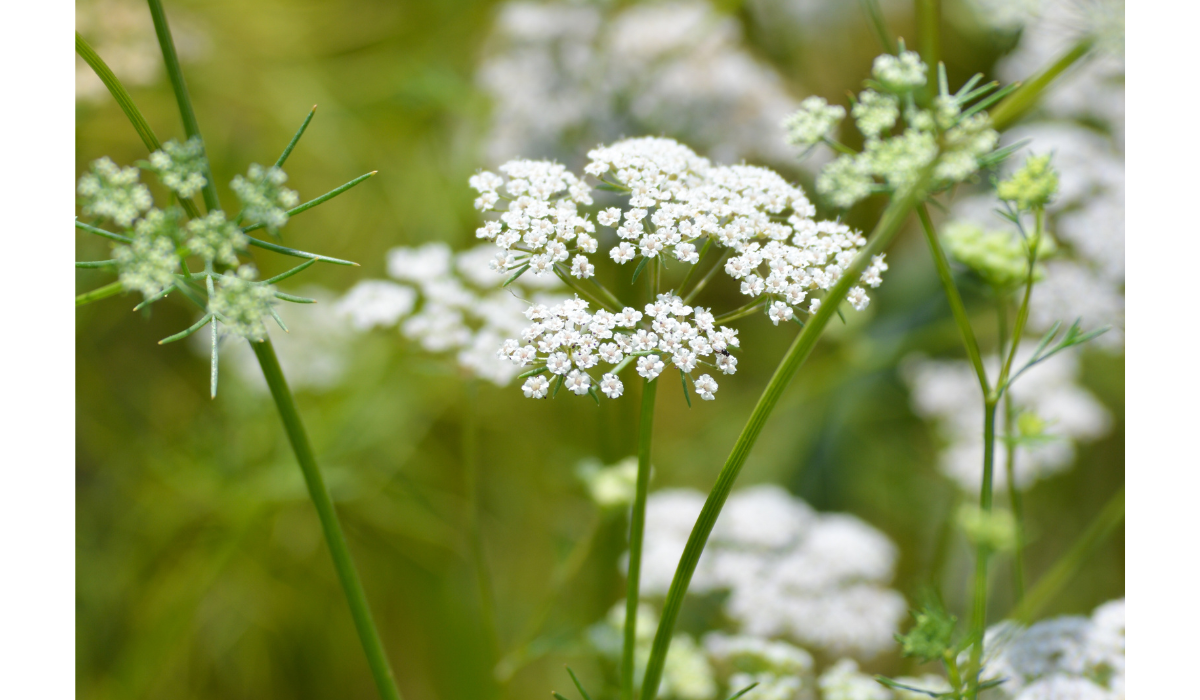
637 528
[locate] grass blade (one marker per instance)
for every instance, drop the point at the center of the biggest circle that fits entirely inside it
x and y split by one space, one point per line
108 290
294 271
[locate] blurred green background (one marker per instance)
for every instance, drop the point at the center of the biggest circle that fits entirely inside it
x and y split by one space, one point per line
200 567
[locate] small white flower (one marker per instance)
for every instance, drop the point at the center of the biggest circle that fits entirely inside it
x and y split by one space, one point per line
684 360
814 305
536 387
622 253
706 386
649 366
581 268
629 317
609 216
611 353
781 312
727 363
558 363
611 386
858 298
578 382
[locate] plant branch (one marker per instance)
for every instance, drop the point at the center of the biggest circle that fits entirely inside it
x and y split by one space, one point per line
637 526
1026 96
108 290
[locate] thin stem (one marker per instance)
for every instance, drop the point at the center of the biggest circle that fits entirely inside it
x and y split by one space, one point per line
171 59
957 308
338 549
579 289
487 601
287 151
101 232
108 290
929 16
1034 243
887 228
706 278
1106 521
1014 497
741 312
637 526
982 552
283 250
1025 97
875 16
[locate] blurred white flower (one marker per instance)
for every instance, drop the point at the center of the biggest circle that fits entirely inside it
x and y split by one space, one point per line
946 392
817 579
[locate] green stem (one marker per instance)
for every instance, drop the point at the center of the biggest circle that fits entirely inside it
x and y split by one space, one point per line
338 549
957 308
1025 97
982 552
887 228
637 526
1023 310
691 271
301 208
929 17
108 290
706 278
118 91
875 16
190 126
1112 515
1014 498
579 289
742 312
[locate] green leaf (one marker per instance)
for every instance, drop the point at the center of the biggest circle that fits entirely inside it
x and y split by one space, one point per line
287 151
683 379
319 200
154 298
188 331
266 245
743 691
91 264
638 270
118 91
513 277
532 373
578 685
294 299
101 232
108 290
294 271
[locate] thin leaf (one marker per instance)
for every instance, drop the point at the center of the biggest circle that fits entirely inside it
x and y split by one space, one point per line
319 200
968 85
532 373
189 293
212 379
188 331
979 92
294 299
888 682
592 393
1001 154
578 685
558 386
990 100
95 263
156 297
513 277
683 379
841 315
557 695
101 232
267 245
875 16
743 691
638 270
275 315
108 290
294 271
295 139
943 82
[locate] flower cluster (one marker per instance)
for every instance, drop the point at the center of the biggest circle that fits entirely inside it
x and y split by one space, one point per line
113 193
818 579
948 140
264 198
181 167
1054 414
566 342
1063 657
541 226
457 306
242 304
999 257
216 240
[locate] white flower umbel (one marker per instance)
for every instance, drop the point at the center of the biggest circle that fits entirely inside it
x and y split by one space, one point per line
1054 413
113 193
264 198
181 167
568 343
372 303
818 579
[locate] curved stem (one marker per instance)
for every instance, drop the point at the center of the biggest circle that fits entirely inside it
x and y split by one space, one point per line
742 312
957 309
700 258
637 526
885 231
118 91
334 537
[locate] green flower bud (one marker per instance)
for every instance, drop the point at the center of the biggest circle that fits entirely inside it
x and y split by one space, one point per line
994 529
1031 187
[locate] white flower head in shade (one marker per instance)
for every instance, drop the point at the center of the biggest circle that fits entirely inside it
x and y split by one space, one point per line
820 580
264 198
1062 657
459 307
113 193
181 166
1058 414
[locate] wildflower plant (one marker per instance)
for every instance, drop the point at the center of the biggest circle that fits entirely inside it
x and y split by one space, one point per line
204 257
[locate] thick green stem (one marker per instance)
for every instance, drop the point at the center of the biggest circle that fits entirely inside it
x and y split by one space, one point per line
884 232
983 552
957 309
108 290
334 537
1112 515
1025 97
118 91
175 73
929 17
637 526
